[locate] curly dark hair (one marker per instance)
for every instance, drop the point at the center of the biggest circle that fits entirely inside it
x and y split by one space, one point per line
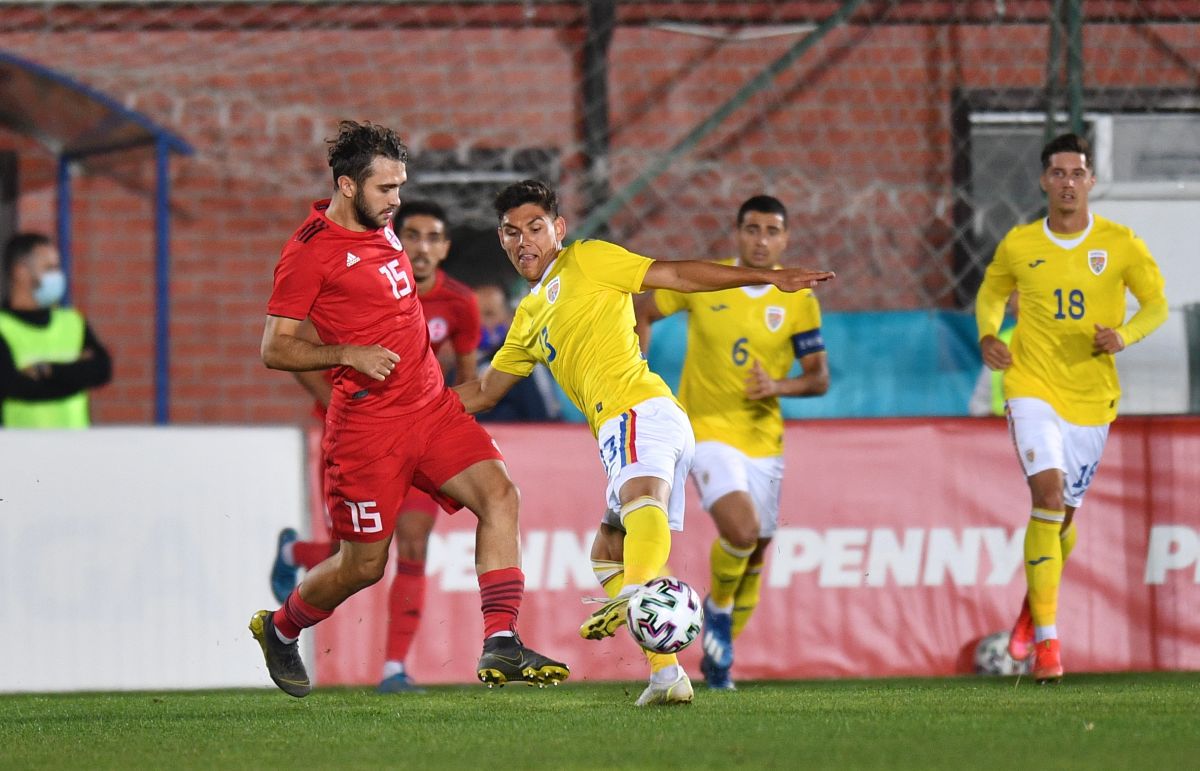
357 145
526 191
1067 143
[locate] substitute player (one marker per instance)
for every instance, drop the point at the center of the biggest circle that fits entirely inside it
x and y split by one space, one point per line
578 320
391 421
1070 271
452 316
741 344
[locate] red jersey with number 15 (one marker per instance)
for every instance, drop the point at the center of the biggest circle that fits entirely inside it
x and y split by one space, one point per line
358 290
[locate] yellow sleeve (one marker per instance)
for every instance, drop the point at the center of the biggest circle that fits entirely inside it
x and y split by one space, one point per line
1146 282
669 301
998 284
514 357
612 266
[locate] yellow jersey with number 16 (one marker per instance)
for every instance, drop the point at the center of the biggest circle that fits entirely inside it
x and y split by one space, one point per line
1067 284
578 321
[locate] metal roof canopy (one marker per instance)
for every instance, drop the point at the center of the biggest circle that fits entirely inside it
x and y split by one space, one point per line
80 125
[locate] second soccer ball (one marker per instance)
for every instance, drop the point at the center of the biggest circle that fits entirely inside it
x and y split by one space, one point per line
665 615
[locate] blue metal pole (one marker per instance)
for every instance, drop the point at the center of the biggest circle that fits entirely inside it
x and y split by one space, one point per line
162 284
63 223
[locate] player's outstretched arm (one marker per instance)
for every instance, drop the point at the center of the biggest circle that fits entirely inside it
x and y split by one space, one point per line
284 348
700 276
485 392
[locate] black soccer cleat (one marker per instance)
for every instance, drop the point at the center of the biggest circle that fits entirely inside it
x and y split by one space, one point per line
283 659
507 660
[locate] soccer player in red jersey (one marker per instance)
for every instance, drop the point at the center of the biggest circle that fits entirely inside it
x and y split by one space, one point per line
391 421
452 315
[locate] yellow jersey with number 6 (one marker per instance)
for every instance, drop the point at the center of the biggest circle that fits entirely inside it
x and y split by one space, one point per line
1067 284
578 321
728 330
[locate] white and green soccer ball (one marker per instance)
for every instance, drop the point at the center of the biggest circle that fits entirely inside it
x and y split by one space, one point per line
991 657
665 615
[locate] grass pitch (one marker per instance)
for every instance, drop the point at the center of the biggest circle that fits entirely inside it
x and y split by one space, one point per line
1090 722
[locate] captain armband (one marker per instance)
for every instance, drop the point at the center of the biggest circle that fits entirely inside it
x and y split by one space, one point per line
808 342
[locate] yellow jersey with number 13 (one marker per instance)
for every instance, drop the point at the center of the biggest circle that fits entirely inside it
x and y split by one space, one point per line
578 321
728 330
1066 285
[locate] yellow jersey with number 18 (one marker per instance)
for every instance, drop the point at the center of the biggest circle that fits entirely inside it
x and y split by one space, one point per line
1066 285
728 330
578 321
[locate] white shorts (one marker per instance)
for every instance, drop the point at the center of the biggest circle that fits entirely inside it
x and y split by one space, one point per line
652 439
720 469
1044 441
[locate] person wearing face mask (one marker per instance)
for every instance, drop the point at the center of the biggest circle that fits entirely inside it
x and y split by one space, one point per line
49 355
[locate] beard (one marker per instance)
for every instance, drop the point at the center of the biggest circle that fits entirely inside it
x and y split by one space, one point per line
365 216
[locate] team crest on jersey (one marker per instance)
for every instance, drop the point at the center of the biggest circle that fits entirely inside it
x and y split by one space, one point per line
392 238
775 316
438 329
1097 260
1029 456
552 290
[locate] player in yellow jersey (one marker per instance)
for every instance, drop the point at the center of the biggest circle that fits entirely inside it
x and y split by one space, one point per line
578 320
1070 271
741 345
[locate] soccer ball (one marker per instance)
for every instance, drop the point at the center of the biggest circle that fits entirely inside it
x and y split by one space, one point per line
991 657
665 615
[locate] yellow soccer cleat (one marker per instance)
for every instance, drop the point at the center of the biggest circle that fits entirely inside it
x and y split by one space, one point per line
605 622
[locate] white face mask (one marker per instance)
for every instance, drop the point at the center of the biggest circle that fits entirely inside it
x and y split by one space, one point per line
50 289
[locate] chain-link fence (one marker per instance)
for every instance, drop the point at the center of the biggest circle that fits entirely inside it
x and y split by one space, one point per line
903 136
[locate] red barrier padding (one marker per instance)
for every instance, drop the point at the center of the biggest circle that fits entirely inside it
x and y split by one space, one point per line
901 542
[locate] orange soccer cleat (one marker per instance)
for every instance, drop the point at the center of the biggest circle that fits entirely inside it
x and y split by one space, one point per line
1020 642
1047 664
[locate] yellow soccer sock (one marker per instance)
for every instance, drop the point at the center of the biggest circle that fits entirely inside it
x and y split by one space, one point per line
728 564
1067 538
1043 564
611 575
745 599
647 539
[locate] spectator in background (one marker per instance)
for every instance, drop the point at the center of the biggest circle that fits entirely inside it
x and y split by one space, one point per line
49 355
452 317
987 398
534 397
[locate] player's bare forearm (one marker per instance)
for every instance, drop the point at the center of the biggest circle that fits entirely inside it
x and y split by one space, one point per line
282 349
484 392
812 381
996 354
285 347
645 313
700 276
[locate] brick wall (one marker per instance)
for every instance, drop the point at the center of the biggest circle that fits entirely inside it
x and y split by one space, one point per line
855 138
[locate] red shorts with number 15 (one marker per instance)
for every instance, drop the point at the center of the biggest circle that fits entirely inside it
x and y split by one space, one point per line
370 463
